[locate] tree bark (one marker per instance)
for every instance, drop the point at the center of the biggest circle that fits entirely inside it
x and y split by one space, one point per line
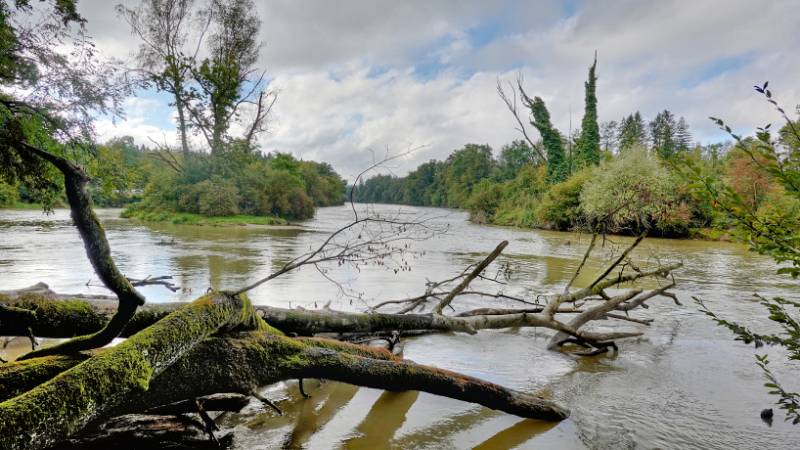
52 411
261 358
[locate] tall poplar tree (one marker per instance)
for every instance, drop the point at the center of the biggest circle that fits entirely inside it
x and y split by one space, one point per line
587 148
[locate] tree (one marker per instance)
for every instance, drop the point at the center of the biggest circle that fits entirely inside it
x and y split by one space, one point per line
557 164
683 137
227 80
163 29
513 157
464 169
632 132
608 135
221 89
662 134
635 192
587 148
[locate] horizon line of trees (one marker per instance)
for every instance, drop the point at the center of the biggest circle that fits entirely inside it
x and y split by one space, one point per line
621 176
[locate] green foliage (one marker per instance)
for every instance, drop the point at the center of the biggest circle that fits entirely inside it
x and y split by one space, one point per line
560 208
513 158
557 164
634 192
238 181
464 169
449 183
668 137
632 132
587 148
213 197
9 195
484 201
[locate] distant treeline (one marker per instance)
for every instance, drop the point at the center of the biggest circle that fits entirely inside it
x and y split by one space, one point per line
621 176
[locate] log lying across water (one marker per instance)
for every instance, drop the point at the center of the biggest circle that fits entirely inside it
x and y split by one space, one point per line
65 316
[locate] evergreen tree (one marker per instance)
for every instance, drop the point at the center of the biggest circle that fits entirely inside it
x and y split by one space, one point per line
587 148
557 165
631 132
683 138
662 134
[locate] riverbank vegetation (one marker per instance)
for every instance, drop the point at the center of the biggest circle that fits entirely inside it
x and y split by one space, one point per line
628 169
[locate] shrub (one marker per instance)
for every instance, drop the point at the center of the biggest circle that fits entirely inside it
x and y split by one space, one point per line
634 191
484 201
213 197
560 207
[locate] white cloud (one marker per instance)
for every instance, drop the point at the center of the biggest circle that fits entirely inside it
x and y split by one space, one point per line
696 59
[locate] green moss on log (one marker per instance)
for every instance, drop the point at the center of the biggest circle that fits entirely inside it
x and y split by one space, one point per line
18 377
63 405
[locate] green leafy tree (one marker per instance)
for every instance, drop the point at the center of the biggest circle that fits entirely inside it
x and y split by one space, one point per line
513 157
163 59
587 147
608 135
48 97
464 169
557 164
9 195
635 192
560 207
227 79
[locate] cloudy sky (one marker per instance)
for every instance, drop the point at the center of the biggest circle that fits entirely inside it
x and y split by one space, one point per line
358 77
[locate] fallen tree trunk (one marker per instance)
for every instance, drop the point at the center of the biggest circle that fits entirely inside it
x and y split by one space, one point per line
56 315
54 410
263 358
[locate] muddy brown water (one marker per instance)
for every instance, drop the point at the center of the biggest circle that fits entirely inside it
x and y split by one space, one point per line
684 384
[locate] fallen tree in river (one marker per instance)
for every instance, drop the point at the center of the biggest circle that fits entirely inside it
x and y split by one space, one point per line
222 343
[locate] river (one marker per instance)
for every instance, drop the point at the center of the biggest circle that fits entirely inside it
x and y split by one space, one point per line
684 384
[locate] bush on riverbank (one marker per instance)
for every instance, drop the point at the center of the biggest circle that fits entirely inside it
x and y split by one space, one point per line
240 182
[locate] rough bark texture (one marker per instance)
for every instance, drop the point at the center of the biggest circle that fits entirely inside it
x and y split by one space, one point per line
52 411
264 358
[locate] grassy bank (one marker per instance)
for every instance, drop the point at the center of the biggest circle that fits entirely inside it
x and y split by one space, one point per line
180 218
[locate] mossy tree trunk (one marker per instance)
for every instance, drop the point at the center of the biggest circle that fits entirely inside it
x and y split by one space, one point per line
53 410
